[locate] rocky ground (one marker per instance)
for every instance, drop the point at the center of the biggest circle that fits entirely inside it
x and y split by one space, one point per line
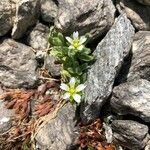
118 84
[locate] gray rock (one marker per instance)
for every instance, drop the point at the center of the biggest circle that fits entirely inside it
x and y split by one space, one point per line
147 147
132 98
27 12
52 67
137 13
130 134
14 1
144 2
60 132
38 37
49 10
7 12
40 56
140 65
87 16
5 118
109 53
17 65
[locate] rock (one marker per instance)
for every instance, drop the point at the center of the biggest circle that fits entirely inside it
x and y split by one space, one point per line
52 66
109 53
40 56
5 118
140 65
94 16
130 134
147 147
132 98
137 13
49 10
118 147
27 12
108 132
64 133
17 65
7 12
144 2
38 37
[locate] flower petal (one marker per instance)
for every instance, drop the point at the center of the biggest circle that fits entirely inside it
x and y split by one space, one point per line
77 98
80 47
75 35
70 40
66 95
72 82
64 87
71 47
82 39
80 87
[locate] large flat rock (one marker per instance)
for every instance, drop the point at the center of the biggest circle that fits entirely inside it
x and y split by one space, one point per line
17 65
7 12
59 132
27 12
87 16
136 12
132 98
130 134
38 37
49 10
53 68
109 53
140 65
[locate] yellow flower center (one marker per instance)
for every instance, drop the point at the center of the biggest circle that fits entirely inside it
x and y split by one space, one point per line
72 91
76 43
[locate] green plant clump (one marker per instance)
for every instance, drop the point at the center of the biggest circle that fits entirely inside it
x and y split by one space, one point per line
74 56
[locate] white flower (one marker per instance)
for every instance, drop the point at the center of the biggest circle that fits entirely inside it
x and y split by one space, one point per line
72 91
76 42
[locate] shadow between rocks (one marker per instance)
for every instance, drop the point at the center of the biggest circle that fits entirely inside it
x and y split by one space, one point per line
123 73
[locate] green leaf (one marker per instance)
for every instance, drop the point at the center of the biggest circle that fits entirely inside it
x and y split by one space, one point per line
70 70
86 57
57 42
50 40
65 75
53 52
78 81
67 62
71 52
56 52
76 63
88 36
65 50
58 48
72 100
61 37
84 66
83 78
86 50
78 71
